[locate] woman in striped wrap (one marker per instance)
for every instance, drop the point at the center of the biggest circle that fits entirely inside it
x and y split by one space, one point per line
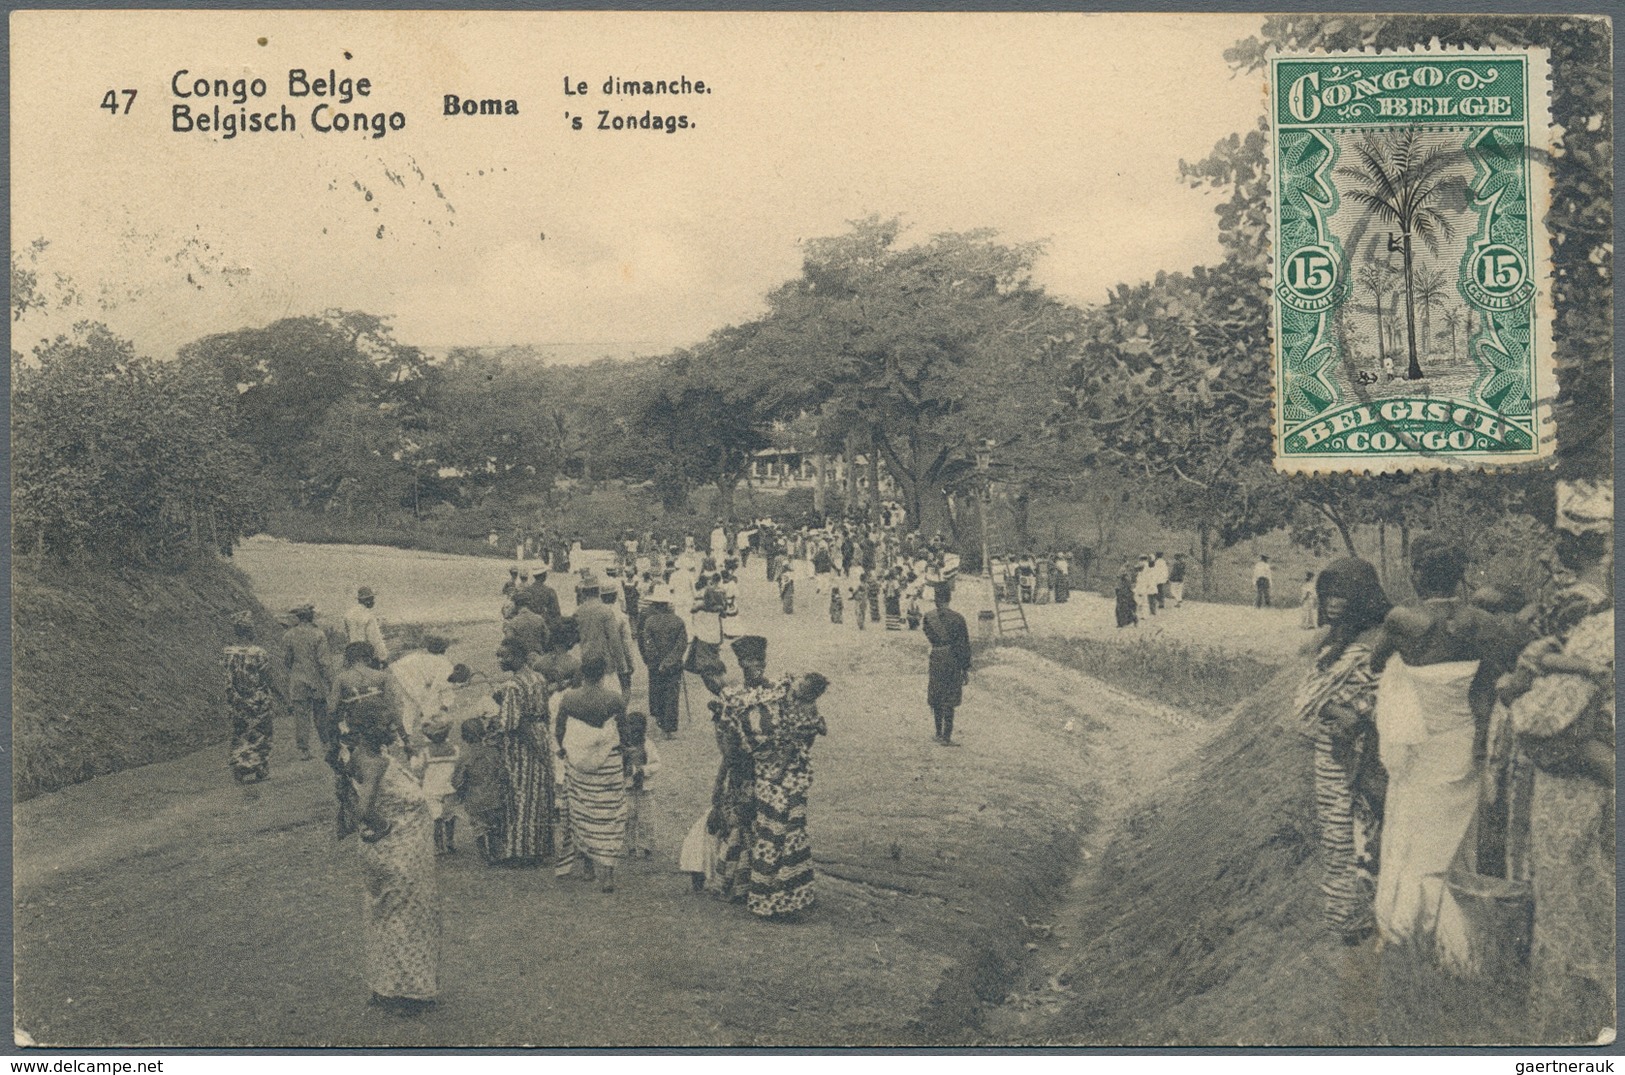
1336 707
592 741
529 833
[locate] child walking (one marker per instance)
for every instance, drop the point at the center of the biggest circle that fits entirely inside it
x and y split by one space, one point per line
438 765
477 780
643 762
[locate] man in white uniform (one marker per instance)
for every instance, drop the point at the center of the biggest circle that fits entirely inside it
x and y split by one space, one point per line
1159 577
361 625
1263 575
424 678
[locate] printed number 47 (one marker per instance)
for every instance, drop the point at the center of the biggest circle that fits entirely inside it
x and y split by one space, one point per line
110 101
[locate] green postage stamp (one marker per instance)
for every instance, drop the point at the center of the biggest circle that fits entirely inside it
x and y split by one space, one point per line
1411 299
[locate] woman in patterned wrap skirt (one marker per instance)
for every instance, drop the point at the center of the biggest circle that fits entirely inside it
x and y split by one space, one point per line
781 873
251 697
396 855
1336 707
766 728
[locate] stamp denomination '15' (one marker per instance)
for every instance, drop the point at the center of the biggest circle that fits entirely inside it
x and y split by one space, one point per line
1411 309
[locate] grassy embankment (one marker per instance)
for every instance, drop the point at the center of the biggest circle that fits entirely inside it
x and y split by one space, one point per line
1201 924
117 668
1200 679
428 535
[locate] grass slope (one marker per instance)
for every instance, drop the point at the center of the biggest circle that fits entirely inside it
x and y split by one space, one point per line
114 669
1204 917
1203 920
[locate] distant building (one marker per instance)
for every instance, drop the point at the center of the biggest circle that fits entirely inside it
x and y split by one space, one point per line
790 469
787 468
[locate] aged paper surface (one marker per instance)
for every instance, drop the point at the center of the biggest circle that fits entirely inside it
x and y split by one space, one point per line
379 378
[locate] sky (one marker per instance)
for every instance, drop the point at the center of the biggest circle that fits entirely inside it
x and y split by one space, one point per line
518 229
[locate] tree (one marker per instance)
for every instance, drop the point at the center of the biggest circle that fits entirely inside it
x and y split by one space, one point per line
1134 367
1172 383
123 458
31 292
1431 292
703 414
492 420
353 460
27 294
1401 180
1452 319
288 376
1374 278
892 342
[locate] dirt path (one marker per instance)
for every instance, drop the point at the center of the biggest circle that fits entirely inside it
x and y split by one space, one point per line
165 906
1137 744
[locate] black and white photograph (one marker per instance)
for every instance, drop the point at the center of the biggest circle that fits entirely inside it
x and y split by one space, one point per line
881 530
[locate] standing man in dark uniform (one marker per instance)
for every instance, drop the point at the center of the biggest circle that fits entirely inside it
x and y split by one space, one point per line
945 629
663 642
541 599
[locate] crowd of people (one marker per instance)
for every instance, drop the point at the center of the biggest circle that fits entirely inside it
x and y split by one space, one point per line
1464 765
1462 744
1147 586
553 769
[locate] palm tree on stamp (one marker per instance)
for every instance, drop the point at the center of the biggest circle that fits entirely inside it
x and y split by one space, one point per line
1375 279
1451 320
1401 181
1431 291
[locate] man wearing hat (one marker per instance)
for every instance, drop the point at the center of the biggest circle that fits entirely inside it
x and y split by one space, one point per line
663 641
949 662
542 599
511 587
525 627
361 625
601 627
305 656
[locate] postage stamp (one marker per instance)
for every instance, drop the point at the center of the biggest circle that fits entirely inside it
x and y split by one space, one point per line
1411 303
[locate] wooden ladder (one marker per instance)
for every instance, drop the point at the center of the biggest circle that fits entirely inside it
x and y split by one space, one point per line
1009 616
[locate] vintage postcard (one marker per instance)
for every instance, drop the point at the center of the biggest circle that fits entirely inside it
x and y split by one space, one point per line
657 529
1410 196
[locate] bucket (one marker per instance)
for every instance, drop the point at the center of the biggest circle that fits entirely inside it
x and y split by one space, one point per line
1498 916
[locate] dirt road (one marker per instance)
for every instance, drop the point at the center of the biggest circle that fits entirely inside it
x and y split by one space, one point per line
166 906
